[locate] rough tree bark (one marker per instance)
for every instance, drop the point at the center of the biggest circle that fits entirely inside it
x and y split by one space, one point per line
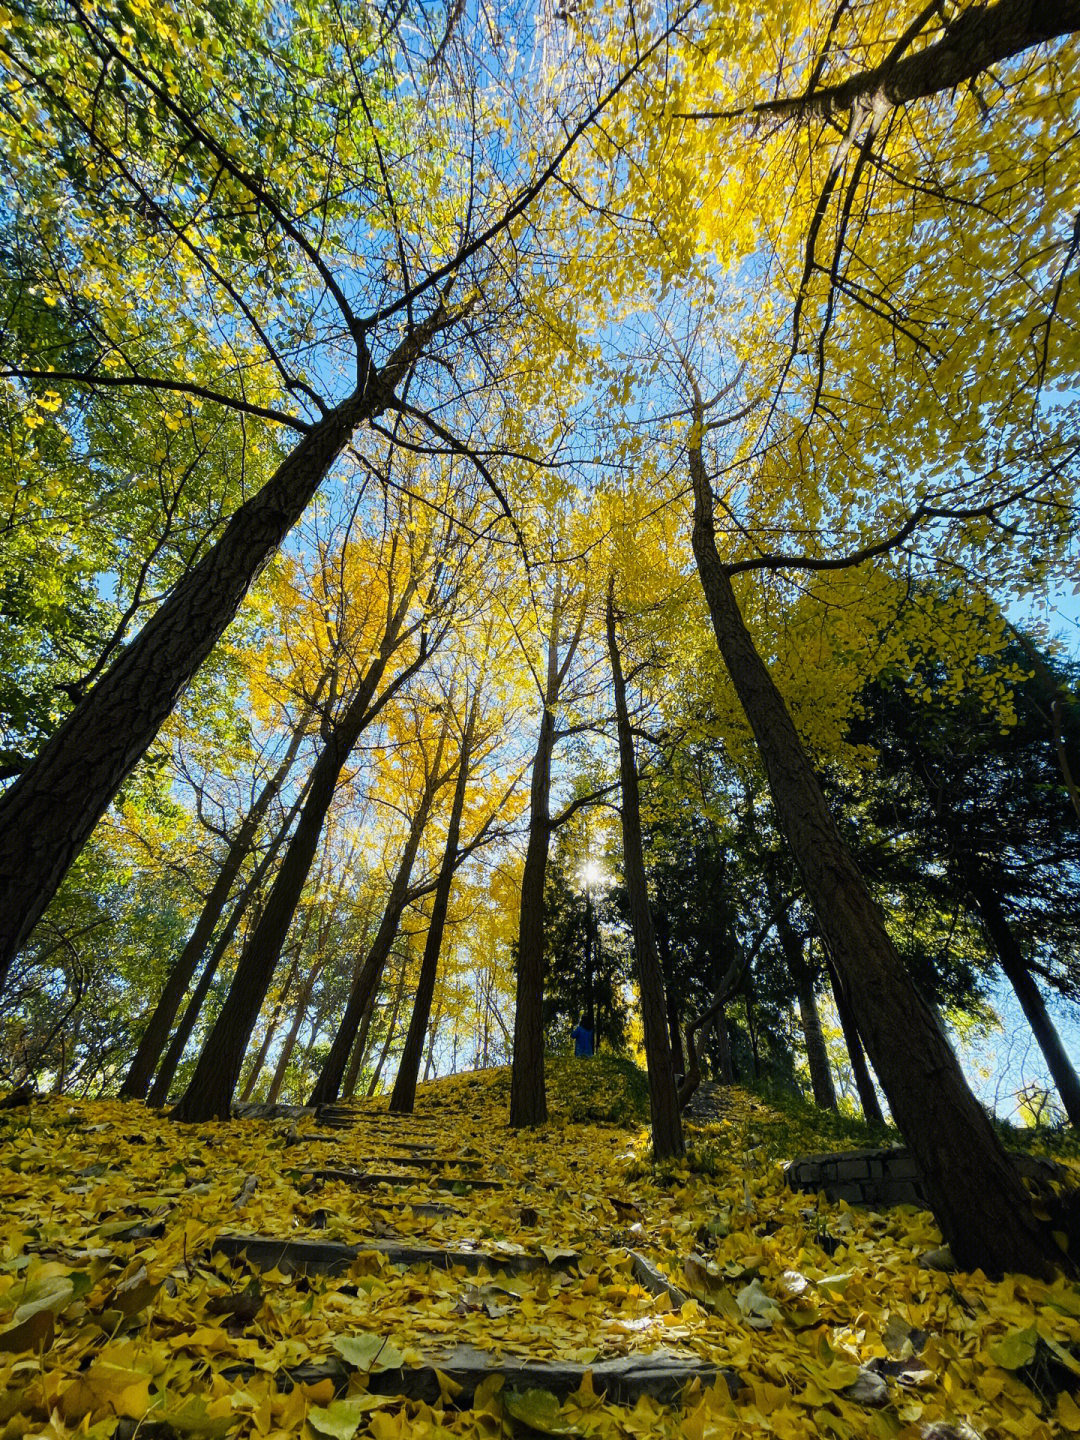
404 1093
663 1100
47 815
209 1095
977 1197
978 37
328 1086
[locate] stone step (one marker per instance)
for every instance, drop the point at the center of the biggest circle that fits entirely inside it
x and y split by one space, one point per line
654 1281
623 1380
368 1179
417 1158
433 1209
329 1257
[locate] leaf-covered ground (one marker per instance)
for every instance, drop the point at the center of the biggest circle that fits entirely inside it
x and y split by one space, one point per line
116 1319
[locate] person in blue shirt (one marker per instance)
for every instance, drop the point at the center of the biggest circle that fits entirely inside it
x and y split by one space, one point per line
582 1037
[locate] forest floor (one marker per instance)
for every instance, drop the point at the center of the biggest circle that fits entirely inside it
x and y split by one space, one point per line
457 1278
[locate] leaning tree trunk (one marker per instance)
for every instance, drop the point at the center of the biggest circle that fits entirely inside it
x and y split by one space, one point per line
977 1197
259 1058
210 1093
157 1031
399 990
48 813
404 1094
864 1081
1000 932
159 1091
328 1086
359 1050
802 975
663 1100
667 970
288 1045
817 1055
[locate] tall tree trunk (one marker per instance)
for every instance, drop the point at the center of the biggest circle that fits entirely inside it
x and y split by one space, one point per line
663 941
976 1195
328 1086
156 1033
433 1031
1000 932
723 1046
399 990
802 974
404 1093
528 1091
359 1050
259 1058
864 1081
288 1045
817 1056
209 1095
47 815
663 1099
159 1091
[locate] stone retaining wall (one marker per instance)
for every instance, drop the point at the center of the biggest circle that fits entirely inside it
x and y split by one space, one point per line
882 1177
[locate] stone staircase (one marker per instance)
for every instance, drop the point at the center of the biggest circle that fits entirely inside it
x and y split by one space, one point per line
404 1163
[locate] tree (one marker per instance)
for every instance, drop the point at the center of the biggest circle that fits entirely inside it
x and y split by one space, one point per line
183 161
565 626
404 1092
587 964
239 846
432 774
401 624
987 801
958 1152
663 1101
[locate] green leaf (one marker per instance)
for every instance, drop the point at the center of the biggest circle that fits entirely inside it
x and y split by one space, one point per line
759 1308
370 1353
539 1409
1014 1350
191 1419
51 1293
341 1418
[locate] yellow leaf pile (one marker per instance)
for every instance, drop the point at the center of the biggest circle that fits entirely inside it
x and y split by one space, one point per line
116 1318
